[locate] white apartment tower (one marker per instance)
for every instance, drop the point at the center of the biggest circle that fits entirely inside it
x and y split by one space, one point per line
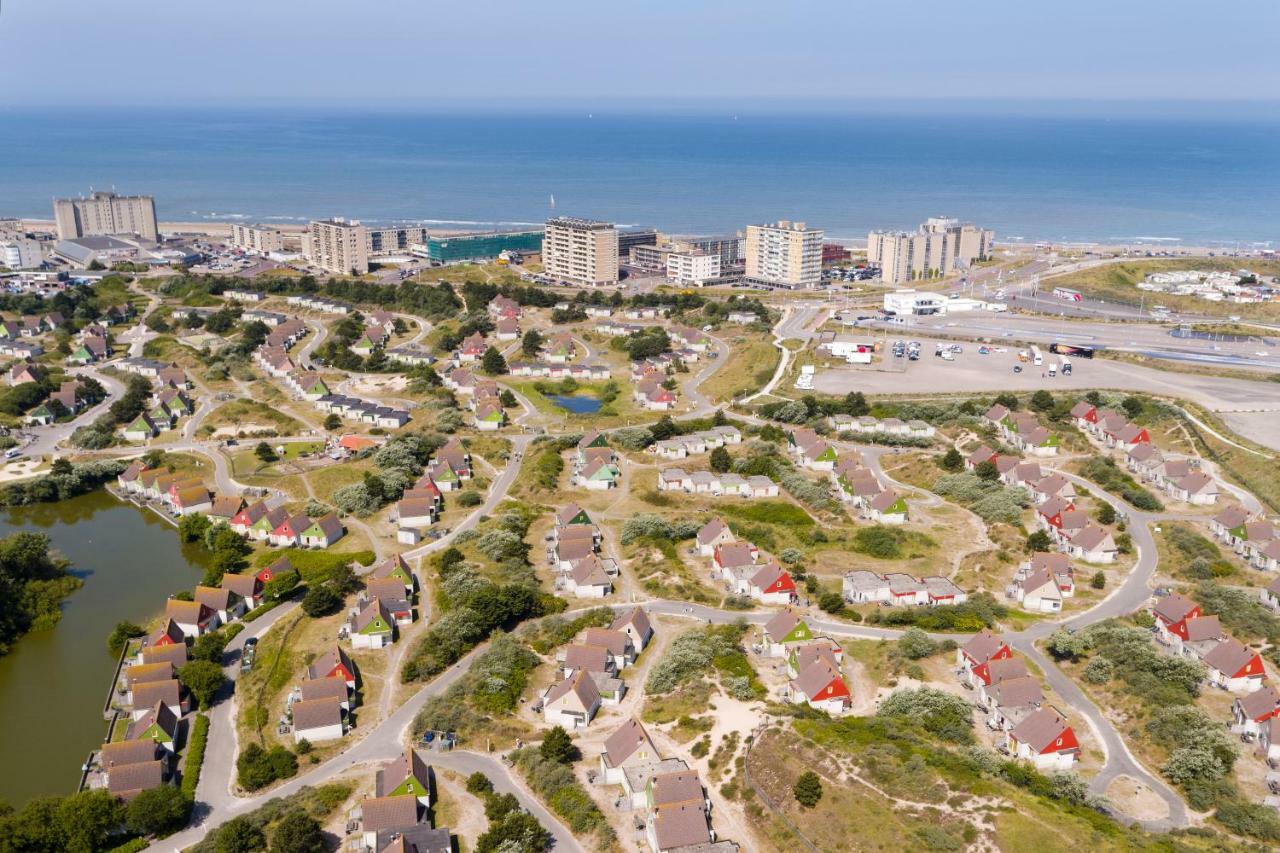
784 254
106 214
339 246
580 251
936 248
257 238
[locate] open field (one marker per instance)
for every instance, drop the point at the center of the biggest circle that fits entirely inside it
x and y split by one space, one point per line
749 366
1115 283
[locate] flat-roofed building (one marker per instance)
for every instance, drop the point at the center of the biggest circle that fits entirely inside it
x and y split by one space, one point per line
106 214
476 247
732 250
628 240
339 246
257 238
784 254
20 253
692 267
388 241
936 248
581 251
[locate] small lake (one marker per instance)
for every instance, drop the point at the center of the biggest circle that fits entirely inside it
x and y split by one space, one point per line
579 404
53 683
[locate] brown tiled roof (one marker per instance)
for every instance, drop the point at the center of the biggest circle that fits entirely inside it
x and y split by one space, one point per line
589 658
128 752
626 739
323 688
680 825
144 673
636 616
1173 607
391 774
174 653
215 598
316 713
615 641
381 813
1017 692
128 779
1229 657
146 695
1040 729
983 645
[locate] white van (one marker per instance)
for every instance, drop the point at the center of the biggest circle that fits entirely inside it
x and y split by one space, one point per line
1053 370
12 453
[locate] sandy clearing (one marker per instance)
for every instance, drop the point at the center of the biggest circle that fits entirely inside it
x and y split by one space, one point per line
1136 800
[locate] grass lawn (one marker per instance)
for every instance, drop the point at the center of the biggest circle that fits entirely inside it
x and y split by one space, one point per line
325 481
310 563
620 411
749 366
251 415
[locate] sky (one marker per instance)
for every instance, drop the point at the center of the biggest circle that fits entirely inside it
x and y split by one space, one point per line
741 52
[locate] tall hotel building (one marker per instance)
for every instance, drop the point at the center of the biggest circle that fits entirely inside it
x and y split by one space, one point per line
580 251
784 254
339 246
106 214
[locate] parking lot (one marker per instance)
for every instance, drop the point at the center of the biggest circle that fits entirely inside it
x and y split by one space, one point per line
971 372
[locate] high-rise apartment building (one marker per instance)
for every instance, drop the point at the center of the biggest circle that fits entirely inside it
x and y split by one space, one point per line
784 254
339 246
106 214
257 238
937 248
580 251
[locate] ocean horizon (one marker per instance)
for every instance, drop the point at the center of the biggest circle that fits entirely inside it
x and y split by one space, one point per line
1082 178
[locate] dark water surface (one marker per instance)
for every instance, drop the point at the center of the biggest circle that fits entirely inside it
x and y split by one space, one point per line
53 683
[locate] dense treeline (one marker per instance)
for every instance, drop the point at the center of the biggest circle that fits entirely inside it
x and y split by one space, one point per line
63 481
33 583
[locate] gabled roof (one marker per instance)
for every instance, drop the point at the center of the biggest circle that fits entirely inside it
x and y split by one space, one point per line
215 598
159 715
711 530
735 554
1261 703
1173 607
637 617
317 713
128 780
816 677
244 585
678 825
382 813
1230 656
616 642
323 688
125 752
581 685
328 661
1232 516
584 657
147 694
1016 692
1040 729
173 653
1200 628
394 772
782 624
681 786
625 740
1006 668
983 645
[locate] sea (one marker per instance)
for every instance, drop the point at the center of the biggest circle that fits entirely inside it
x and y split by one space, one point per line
1180 180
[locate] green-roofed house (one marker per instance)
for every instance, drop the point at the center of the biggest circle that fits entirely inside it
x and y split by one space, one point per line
159 724
41 415
364 346
600 475
371 627
323 532
141 429
407 774
783 631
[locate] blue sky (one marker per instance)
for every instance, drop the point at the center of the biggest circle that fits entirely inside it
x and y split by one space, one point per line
326 51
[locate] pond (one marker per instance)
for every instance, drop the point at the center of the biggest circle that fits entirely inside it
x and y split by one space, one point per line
53 683
579 404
